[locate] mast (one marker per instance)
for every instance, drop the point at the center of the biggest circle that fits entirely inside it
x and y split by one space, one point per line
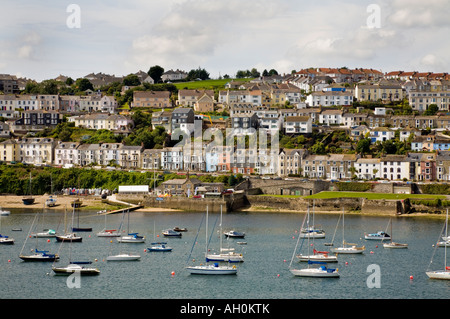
206 233
445 244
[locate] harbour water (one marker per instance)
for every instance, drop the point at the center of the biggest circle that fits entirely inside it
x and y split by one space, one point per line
270 242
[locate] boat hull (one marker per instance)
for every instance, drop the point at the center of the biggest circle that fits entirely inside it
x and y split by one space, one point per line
69 238
39 257
28 201
123 257
231 258
86 229
316 273
234 234
131 240
318 257
395 245
6 241
439 274
348 250
212 270
71 269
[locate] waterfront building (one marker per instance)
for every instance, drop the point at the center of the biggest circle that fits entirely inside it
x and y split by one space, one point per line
36 150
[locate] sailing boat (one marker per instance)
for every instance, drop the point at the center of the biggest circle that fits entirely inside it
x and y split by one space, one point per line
28 200
226 254
46 233
131 237
445 273
393 244
210 269
5 240
51 200
37 255
158 246
72 237
108 232
123 256
315 272
312 231
75 266
320 256
78 228
347 248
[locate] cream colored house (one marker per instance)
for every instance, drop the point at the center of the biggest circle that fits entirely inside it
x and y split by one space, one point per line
36 150
385 93
9 151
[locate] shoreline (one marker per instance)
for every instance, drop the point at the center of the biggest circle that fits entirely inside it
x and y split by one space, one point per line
95 203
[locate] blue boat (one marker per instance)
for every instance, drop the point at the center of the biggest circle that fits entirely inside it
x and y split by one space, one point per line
159 247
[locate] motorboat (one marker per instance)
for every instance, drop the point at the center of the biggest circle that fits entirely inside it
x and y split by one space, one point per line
159 246
230 256
312 233
353 249
131 238
4 212
50 201
380 235
48 233
234 234
395 245
178 229
6 240
171 233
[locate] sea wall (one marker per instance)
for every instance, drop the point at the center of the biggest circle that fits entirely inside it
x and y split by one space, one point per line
362 205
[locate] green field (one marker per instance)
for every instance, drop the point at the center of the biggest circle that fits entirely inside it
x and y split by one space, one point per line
323 195
326 195
207 84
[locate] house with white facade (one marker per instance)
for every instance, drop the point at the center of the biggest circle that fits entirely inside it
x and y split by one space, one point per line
298 125
66 153
394 167
36 150
329 117
329 98
368 168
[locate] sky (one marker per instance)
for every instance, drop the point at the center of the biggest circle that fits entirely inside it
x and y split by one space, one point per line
43 39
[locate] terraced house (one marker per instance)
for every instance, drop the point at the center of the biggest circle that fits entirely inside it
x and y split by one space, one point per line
152 99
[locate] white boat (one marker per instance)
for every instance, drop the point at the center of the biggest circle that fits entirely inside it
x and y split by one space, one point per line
225 254
315 272
171 233
159 246
442 274
36 255
132 238
312 231
391 243
47 233
321 256
108 232
347 248
75 268
210 269
5 240
379 235
50 201
320 272
4 212
124 257
443 243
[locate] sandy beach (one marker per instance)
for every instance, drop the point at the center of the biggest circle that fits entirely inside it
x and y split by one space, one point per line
63 201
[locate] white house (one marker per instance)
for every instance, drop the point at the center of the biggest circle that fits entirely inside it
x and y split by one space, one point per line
66 153
381 134
298 124
172 158
368 168
329 98
328 117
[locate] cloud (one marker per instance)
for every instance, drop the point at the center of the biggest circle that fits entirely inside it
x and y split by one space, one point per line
419 14
29 45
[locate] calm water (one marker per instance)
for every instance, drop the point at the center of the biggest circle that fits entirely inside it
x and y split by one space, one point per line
271 239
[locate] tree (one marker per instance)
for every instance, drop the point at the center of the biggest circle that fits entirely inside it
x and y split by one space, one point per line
155 73
273 72
254 73
363 146
83 84
131 80
431 110
197 74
